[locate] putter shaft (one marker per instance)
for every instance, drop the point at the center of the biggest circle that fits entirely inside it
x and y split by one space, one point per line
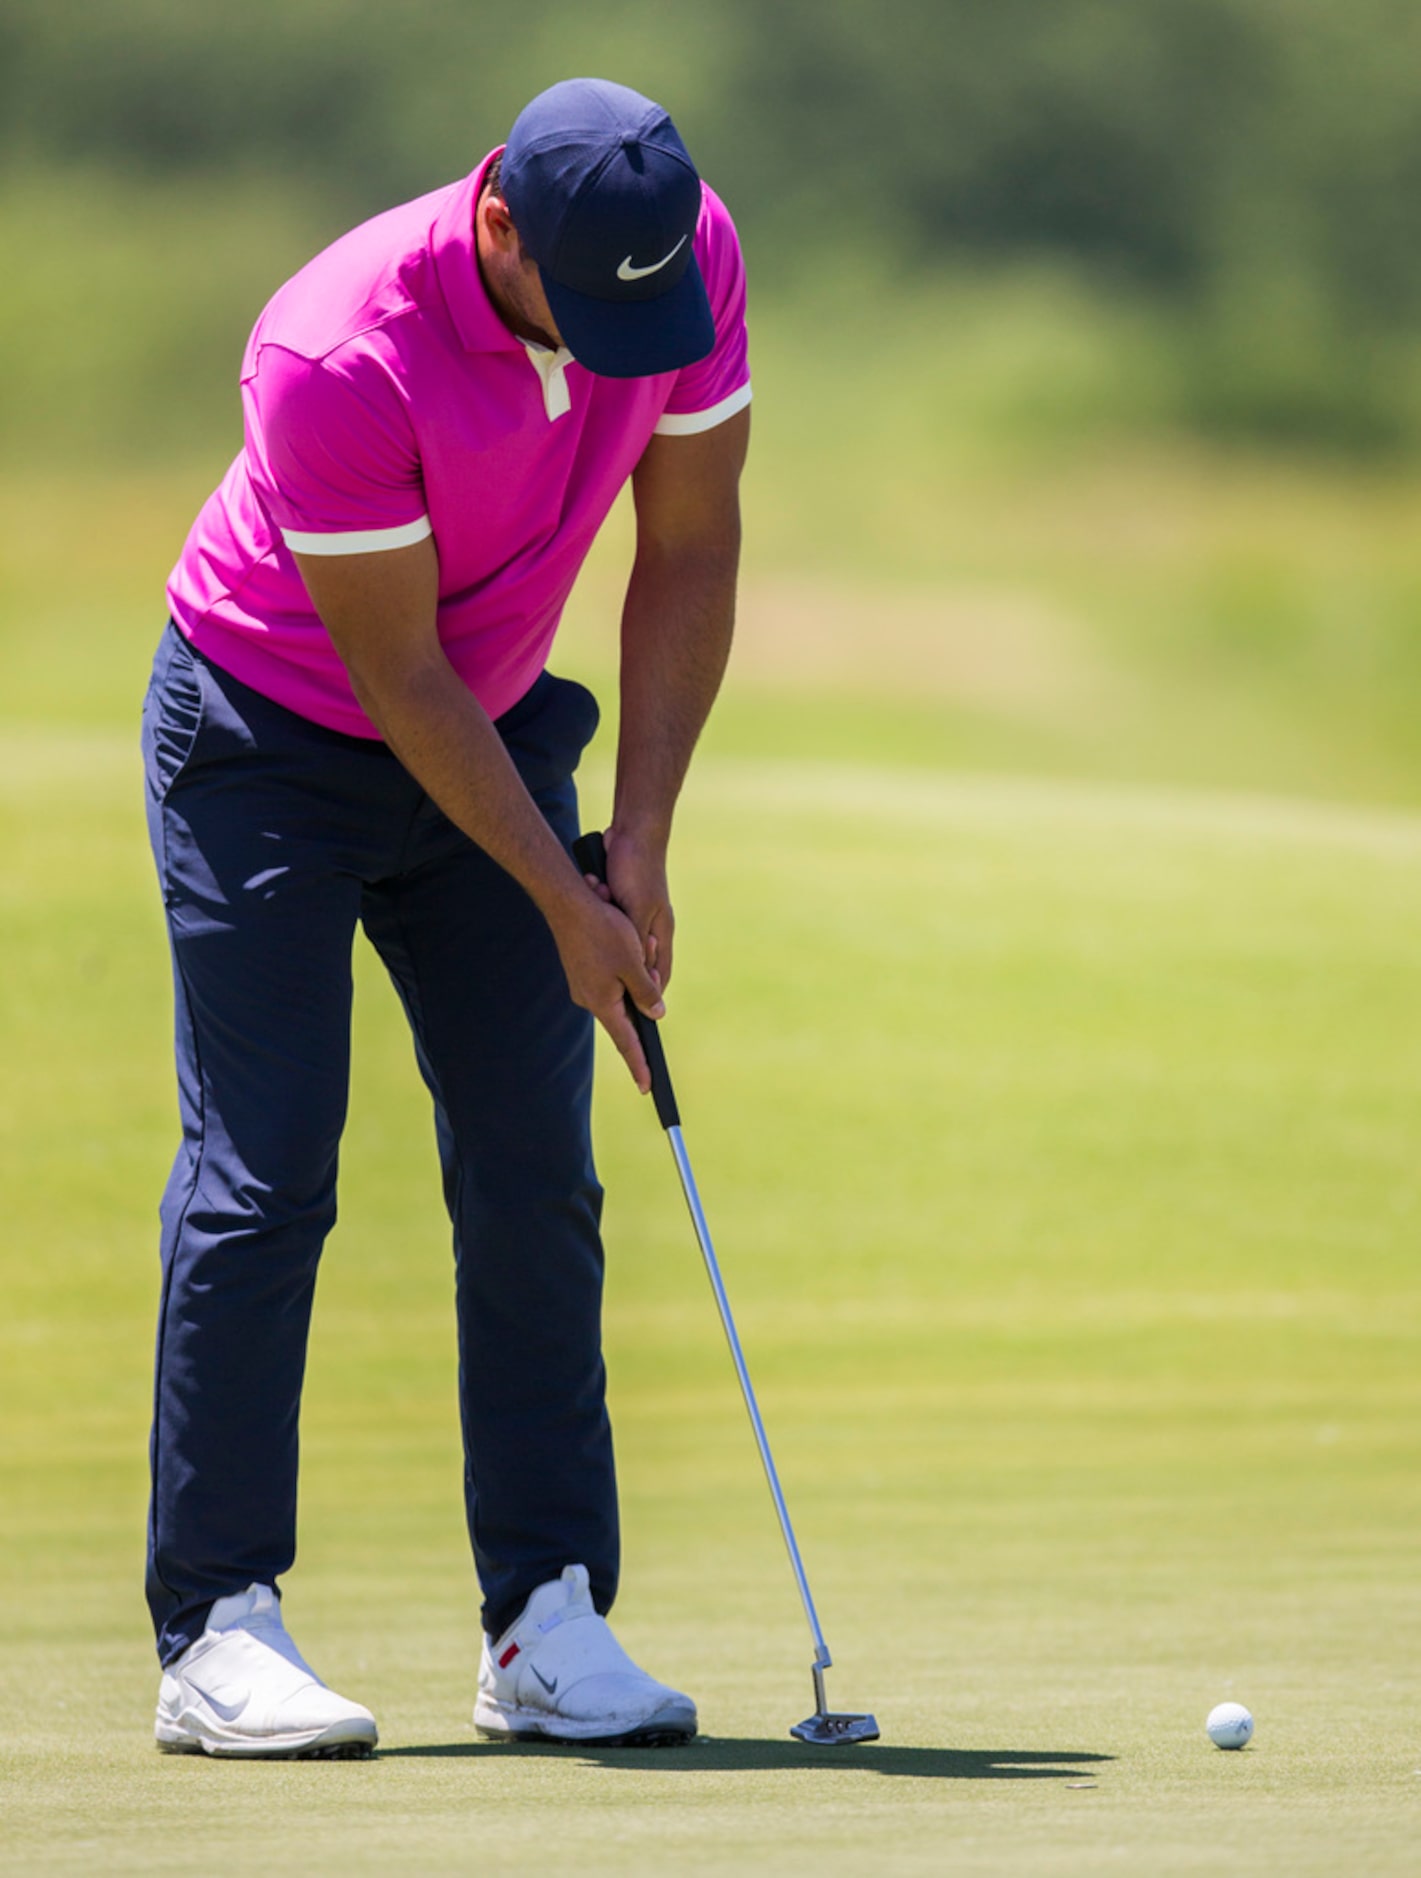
822 1659
822 1727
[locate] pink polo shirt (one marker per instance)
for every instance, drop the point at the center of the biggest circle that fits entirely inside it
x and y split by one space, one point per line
385 400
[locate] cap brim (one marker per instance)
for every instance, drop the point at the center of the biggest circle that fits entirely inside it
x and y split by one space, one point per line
635 338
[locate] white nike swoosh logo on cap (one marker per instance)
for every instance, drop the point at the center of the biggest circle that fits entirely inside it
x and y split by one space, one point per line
627 272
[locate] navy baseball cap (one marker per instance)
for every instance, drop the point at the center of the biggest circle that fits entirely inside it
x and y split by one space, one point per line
606 199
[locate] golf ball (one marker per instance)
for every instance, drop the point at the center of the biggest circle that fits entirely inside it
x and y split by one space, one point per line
1230 1725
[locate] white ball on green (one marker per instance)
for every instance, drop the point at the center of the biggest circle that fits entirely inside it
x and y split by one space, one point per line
1230 1725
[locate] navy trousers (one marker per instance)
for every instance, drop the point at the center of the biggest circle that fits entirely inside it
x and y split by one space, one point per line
273 838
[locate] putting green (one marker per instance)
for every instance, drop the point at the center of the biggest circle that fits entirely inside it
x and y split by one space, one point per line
1059 1145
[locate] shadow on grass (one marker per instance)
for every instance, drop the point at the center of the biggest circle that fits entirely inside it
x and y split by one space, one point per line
713 1755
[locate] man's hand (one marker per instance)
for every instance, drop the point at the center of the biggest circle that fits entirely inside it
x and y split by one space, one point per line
636 882
602 955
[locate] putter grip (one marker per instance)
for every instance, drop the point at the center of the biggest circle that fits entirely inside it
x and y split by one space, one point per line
590 853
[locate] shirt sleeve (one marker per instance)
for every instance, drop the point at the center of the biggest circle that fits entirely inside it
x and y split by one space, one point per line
716 387
333 452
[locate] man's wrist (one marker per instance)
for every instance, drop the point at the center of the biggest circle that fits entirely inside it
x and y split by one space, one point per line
561 897
647 829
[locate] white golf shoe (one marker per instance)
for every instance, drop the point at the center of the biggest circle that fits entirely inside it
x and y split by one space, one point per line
558 1674
243 1689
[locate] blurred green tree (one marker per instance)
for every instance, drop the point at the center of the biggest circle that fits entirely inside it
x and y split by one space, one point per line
1251 165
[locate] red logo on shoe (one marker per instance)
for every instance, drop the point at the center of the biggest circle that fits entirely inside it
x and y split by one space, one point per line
508 1656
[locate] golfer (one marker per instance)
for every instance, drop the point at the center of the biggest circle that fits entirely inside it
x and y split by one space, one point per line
350 721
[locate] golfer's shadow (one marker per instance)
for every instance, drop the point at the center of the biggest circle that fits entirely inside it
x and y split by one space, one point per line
710 1754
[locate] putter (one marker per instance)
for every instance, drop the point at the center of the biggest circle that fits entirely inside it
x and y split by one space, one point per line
823 1728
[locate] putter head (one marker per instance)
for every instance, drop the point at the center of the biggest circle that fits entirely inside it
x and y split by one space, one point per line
835 1731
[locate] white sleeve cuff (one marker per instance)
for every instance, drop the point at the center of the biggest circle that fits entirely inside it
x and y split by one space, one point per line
363 541
687 423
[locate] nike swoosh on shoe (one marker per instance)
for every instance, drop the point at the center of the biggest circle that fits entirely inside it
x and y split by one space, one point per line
225 1711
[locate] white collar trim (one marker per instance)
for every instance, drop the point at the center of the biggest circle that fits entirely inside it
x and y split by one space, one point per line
551 368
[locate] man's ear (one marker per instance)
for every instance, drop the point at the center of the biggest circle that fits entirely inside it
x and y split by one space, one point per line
493 213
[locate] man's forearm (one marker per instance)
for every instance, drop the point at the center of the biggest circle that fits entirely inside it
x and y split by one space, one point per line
446 740
380 610
676 633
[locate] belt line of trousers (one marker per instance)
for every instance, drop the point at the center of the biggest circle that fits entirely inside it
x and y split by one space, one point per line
274 839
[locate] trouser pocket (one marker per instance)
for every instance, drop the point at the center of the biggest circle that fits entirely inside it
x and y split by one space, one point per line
547 731
172 712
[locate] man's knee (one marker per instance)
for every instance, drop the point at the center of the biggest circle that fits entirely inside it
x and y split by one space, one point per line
271 1167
